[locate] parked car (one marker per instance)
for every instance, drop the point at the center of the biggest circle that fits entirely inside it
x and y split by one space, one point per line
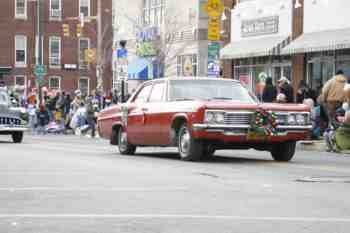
202 115
10 118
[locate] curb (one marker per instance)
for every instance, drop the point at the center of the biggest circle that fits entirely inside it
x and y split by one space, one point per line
318 145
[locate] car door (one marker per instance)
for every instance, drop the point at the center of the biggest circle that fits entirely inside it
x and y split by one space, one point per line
136 123
156 111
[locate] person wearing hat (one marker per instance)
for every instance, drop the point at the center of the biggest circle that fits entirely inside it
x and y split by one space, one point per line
286 89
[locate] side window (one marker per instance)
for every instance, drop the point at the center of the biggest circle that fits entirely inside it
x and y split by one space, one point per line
143 95
157 94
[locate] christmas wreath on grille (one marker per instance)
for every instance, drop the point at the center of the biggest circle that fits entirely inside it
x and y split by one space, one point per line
264 122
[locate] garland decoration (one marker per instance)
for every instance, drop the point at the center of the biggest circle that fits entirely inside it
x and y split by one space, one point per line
264 122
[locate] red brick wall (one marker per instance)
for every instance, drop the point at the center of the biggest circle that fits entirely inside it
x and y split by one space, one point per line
69 45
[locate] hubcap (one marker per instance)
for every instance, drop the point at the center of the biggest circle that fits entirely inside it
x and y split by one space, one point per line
185 142
123 141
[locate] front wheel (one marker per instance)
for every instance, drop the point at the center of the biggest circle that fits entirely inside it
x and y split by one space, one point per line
283 152
189 148
17 137
124 147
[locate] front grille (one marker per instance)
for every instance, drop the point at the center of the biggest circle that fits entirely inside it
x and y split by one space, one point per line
238 118
9 121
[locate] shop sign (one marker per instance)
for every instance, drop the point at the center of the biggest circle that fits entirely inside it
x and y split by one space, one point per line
187 66
145 42
261 26
146 49
214 9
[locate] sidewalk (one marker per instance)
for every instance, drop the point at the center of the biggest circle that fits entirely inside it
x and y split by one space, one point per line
315 145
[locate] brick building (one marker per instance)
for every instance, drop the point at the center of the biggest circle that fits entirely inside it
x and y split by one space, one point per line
63 55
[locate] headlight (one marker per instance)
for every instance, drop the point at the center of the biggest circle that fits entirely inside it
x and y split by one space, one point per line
292 120
219 117
214 117
209 117
301 119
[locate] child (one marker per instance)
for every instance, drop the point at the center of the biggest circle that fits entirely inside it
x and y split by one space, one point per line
42 119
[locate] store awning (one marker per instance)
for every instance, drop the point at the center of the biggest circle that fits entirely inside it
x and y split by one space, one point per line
319 41
265 46
137 69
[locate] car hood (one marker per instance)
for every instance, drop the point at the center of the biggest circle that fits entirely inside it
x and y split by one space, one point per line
228 105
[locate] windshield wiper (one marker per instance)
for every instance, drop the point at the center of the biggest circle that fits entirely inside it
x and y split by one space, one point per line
184 99
221 98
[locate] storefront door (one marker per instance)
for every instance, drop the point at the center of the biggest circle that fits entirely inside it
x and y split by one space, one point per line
281 71
319 73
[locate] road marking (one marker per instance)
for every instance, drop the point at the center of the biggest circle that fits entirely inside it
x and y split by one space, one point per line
175 216
104 189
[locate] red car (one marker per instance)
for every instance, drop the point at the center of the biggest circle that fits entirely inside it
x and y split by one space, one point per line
201 115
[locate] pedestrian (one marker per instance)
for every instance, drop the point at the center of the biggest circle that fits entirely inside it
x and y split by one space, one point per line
43 119
60 107
32 117
90 115
303 92
286 89
270 91
333 95
115 98
52 106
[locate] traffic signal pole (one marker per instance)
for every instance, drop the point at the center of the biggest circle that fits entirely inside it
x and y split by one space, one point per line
39 44
99 66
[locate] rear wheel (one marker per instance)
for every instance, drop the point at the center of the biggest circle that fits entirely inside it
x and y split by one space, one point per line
124 147
283 152
189 148
17 137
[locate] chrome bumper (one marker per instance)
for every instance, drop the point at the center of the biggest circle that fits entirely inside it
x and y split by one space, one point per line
223 128
16 128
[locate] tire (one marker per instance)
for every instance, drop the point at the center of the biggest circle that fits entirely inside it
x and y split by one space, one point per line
124 147
189 148
17 137
208 151
283 152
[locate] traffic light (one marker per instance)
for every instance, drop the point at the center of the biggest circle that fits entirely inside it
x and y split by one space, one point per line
65 28
78 30
89 55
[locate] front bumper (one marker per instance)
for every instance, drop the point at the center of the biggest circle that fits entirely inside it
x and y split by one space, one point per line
13 128
238 133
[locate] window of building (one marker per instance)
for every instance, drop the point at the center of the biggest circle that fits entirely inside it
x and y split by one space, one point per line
55 52
157 94
84 44
84 85
55 10
187 65
21 51
20 80
21 9
55 83
153 12
84 7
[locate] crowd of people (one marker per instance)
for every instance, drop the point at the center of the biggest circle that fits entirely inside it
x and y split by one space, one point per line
330 108
61 113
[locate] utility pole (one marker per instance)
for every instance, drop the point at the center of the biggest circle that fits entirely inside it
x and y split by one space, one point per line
39 48
99 66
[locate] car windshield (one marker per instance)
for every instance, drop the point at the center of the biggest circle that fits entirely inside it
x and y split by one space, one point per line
3 98
209 90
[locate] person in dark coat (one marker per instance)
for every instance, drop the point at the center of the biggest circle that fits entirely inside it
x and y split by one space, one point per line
286 89
270 91
304 92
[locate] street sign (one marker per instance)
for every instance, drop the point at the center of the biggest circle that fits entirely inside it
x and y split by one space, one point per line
214 29
213 59
40 70
214 8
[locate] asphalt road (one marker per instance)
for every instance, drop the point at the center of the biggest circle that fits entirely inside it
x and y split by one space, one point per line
69 184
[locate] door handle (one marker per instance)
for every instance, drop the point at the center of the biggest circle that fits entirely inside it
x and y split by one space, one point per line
144 109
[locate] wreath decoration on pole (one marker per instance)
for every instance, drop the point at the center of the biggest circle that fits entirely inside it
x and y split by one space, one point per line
264 122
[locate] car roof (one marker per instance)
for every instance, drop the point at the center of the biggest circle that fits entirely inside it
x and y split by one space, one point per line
191 78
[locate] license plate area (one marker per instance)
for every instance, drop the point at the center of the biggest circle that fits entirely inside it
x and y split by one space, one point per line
256 136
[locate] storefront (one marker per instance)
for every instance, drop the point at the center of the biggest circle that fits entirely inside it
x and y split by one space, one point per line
259 31
325 41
